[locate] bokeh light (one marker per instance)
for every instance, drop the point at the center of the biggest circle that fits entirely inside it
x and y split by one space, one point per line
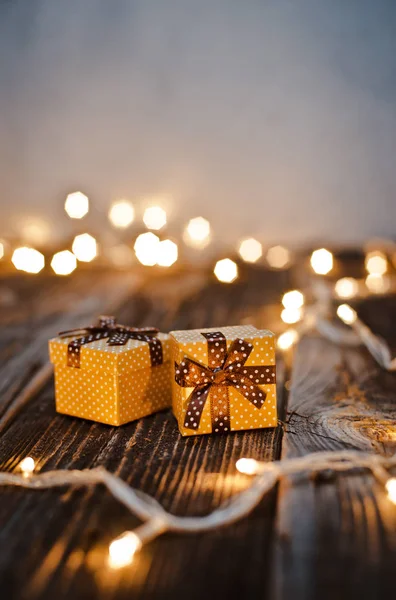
121 214
154 217
247 466
322 261
35 231
376 263
250 250
278 257
291 314
197 233
121 256
2 250
391 489
347 314
77 205
63 263
167 253
226 270
28 260
347 287
287 339
85 247
27 466
377 284
146 248
293 299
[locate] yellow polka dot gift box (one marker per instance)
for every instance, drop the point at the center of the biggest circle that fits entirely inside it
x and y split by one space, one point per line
224 379
111 373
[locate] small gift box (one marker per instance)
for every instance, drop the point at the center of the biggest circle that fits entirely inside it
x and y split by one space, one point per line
224 379
111 373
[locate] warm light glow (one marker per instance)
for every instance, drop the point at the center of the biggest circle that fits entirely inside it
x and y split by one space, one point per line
64 263
123 549
197 233
250 250
146 248
167 253
154 217
28 259
27 465
293 299
391 489
77 205
2 250
121 256
376 263
347 287
322 261
291 315
226 270
247 466
35 231
278 257
85 247
287 339
377 284
121 214
347 314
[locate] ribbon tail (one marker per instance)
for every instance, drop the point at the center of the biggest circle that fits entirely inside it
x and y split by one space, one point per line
195 405
250 391
220 409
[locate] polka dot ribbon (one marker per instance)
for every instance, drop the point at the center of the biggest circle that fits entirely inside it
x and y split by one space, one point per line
224 369
117 335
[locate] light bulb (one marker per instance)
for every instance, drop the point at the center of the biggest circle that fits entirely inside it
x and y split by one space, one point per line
287 339
167 253
293 299
154 217
77 205
347 287
146 248
247 466
322 261
123 549
226 270
376 263
197 233
27 466
291 315
391 489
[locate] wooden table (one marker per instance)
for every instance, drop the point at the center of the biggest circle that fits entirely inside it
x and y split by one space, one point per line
328 537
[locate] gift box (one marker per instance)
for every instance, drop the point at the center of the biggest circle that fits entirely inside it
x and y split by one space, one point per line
111 373
223 379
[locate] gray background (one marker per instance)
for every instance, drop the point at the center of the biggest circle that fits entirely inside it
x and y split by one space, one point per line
278 114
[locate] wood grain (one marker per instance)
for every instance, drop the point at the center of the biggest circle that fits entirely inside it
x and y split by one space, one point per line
337 535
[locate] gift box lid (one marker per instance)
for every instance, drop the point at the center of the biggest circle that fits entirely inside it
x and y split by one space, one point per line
192 343
133 355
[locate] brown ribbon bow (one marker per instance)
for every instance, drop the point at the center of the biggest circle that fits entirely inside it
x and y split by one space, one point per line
117 335
224 369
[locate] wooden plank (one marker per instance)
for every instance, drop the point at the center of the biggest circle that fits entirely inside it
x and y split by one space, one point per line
59 539
336 535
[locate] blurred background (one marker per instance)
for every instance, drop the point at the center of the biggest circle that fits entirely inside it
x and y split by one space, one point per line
271 118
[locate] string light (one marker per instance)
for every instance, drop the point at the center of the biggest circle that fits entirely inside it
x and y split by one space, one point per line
27 466
293 299
167 253
226 270
247 466
154 217
121 214
146 248
278 257
322 261
287 339
63 263
291 315
28 260
123 549
197 233
347 287
347 314
391 489
250 250
376 263
377 284
85 247
77 205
